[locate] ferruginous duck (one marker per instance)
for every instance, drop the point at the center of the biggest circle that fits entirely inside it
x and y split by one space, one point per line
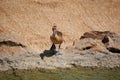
56 38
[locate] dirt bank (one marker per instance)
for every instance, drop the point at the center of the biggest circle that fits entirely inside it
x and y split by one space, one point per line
29 22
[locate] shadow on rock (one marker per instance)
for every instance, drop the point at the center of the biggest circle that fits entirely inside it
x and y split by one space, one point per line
47 53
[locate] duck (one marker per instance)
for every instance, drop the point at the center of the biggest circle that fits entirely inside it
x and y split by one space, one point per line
57 39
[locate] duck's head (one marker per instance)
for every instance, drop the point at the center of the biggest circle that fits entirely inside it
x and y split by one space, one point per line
54 28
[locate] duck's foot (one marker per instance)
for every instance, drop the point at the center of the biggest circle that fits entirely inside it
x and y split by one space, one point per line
58 53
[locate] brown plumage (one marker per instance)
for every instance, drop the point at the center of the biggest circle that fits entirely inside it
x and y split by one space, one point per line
56 38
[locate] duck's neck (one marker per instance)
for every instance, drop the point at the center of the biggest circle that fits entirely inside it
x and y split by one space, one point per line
54 32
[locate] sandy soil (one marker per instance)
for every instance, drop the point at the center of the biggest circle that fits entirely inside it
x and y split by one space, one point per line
29 22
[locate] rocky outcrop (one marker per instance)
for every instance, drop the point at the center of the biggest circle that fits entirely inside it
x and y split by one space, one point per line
86 52
69 58
98 40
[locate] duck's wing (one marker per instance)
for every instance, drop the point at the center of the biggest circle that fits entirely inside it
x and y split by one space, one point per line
59 33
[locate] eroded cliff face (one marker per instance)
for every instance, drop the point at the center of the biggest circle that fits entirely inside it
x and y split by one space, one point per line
29 22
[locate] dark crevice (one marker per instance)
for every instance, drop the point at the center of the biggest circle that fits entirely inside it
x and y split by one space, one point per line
11 44
113 50
1 62
73 64
88 47
105 40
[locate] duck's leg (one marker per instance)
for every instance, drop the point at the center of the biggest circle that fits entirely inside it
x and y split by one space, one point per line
58 52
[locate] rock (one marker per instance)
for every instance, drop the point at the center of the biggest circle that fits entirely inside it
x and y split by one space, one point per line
97 34
85 44
113 45
99 41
